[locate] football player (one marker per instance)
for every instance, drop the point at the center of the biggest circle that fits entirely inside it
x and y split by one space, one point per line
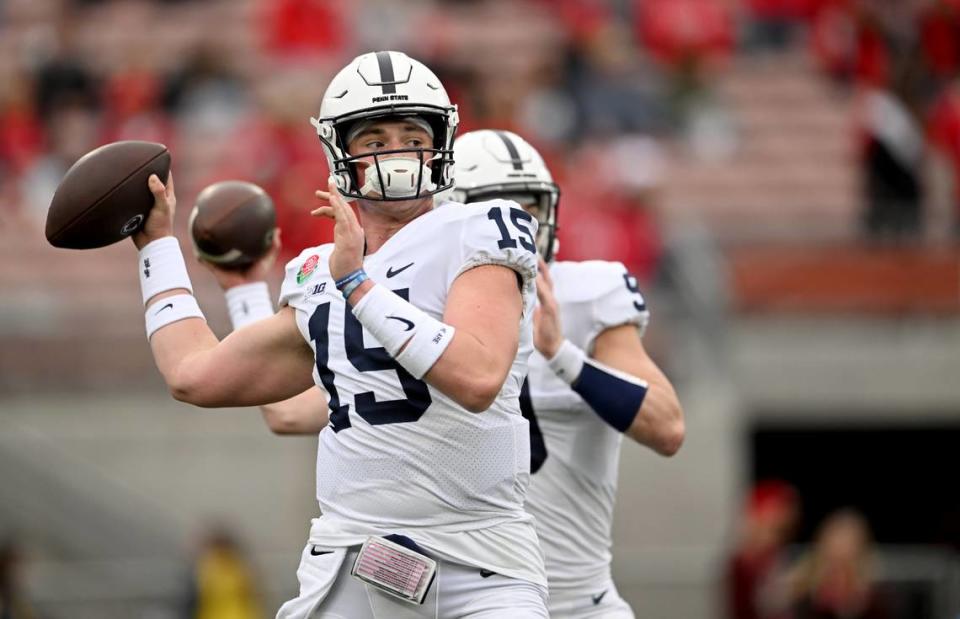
587 306
417 324
248 300
591 381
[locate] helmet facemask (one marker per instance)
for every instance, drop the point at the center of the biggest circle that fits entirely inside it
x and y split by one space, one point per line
390 175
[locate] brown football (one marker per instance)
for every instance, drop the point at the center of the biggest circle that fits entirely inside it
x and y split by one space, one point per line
232 224
103 198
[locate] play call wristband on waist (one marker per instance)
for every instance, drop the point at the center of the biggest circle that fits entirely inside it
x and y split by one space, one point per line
402 571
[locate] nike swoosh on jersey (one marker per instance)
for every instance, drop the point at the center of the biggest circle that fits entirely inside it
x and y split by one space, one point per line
597 598
408 323
316 553
170 305
391 272
486 573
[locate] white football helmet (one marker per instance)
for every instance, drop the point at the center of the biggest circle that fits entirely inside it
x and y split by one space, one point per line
381 85
500 164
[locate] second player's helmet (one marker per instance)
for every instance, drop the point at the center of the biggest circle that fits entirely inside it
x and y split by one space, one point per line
500 164
383 85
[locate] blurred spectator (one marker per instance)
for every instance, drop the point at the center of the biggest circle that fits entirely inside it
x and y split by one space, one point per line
583 19
686 33
21 137
303 28
775 24
13 600
72 131
132 97
615 90
939 29
692 40
892 156
609 190
849 43
755 582
835 580
205 92
833 38
944 135
62 78
21 141
222 584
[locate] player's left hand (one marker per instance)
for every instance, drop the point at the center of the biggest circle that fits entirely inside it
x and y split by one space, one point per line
348 237
256 272
547 329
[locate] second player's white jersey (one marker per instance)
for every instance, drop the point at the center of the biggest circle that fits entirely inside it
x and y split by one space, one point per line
399 456
572 495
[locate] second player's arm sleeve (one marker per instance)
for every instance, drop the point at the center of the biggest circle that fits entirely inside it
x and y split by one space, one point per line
619 302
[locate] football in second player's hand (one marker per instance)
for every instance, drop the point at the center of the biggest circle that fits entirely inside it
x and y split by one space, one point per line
233 224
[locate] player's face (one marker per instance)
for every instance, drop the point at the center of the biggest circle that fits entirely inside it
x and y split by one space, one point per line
529 202
388 135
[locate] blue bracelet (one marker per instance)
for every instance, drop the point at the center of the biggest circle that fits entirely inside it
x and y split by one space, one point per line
352 284
343 281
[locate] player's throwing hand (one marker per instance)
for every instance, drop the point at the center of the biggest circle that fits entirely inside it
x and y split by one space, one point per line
348 237
160 220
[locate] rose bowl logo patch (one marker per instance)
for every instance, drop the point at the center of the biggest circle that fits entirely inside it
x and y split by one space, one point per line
307 268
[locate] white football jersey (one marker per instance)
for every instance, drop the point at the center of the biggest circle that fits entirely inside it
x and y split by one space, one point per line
399 456
572 495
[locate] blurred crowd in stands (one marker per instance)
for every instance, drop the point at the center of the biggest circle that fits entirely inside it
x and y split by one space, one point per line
606 89
836 577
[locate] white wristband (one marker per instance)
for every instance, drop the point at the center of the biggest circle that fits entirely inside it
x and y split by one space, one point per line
395 322
568 362
425 347
171 309
162 268
248 303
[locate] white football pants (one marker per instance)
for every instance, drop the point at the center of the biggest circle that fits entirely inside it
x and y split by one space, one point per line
328 591
603 604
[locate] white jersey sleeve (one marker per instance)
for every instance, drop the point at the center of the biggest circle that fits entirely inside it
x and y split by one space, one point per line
297 272
500 232
616 298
